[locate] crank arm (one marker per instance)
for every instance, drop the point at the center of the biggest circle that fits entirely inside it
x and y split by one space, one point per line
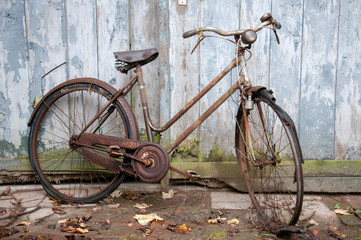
114 151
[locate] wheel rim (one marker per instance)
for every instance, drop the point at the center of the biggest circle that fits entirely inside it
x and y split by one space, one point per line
55 157
273 176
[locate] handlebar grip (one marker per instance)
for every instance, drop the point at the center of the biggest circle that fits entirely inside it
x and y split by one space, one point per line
277 24
190 33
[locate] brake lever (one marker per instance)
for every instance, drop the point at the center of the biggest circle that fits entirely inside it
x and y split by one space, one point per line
275 31
200 38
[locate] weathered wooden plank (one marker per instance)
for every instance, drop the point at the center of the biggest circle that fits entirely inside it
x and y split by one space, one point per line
217 132
348 86
14 98
82 38
112 36
164 80
45 27
86 32
319 63
258 65
183 67
144 35
285 62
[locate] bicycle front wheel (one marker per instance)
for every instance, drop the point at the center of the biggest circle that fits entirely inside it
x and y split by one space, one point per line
63 171
269 157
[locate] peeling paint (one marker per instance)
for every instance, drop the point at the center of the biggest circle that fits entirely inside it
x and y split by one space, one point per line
314 73
77 63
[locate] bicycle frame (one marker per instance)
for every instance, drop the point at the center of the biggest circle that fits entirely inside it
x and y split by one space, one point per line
150 126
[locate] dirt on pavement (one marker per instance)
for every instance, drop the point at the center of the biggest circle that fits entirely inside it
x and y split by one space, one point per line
185 215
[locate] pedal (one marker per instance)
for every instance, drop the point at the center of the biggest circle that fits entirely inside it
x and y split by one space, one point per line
193 175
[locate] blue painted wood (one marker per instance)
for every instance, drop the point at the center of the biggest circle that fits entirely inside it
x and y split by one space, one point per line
318 79
145 34
285 59
215 55
183 67
348 85
314 73
112 36
13 79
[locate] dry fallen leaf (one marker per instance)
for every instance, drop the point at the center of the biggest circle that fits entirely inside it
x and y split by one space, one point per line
2 210
213 220
216 220
24 223
81 230
142 205
131 195
183 229
333 232
59 211
69 229
168 195
342 211
5 192
145 219
56 202
313 222
116 194
233 221
16 201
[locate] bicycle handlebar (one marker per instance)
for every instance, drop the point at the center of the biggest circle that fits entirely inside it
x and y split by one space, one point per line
195 31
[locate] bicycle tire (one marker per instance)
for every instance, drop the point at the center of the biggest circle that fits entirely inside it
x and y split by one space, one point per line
273 175
64 173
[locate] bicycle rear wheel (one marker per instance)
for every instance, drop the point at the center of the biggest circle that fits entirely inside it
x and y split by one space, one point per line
270 161
63 171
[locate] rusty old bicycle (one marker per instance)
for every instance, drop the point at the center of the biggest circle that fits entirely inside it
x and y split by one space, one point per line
84 136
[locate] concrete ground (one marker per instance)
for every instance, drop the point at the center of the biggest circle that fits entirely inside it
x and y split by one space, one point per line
195 212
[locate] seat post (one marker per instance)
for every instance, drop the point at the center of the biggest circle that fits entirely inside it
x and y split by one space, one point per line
144 101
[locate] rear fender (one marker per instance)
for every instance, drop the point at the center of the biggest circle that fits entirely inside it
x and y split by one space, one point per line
124 103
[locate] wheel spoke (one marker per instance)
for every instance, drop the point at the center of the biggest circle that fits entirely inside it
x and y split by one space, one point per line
64 172
274 180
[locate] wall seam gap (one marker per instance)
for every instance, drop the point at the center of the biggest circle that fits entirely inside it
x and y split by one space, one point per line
269 54
300 76
67 38
97 36
27 44
130 48
336 79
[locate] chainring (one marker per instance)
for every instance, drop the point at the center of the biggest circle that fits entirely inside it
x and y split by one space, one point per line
160 163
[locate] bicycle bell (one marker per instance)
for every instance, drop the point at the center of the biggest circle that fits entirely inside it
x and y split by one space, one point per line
249 36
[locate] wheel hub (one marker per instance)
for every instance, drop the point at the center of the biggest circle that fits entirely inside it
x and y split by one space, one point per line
157 163
73 142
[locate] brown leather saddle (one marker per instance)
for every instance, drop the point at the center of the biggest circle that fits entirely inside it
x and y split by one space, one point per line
130 59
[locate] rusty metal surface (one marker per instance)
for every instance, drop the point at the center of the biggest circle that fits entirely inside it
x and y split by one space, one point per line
123 143
144 102
101 160
160 163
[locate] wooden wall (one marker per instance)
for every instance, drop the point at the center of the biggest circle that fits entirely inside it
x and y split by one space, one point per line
315 72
